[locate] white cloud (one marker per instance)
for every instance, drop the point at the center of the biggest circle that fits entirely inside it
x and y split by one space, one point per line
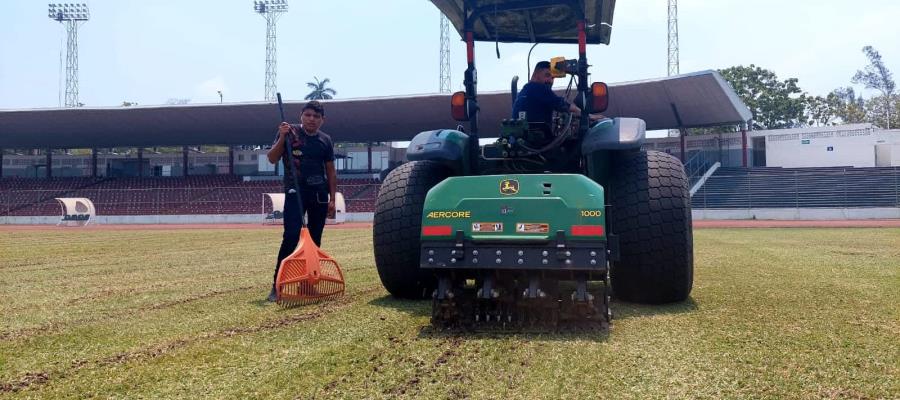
207 91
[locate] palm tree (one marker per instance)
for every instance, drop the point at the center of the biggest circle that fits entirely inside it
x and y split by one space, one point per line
319 91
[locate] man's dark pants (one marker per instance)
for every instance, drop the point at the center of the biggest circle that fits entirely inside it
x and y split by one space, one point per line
315 203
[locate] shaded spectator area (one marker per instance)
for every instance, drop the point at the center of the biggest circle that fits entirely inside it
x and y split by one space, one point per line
824 187
205 194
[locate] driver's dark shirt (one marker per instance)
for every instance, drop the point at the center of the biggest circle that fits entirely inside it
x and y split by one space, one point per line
311 152
539 102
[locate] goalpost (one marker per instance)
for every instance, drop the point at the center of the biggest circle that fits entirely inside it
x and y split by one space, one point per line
340 210
276 215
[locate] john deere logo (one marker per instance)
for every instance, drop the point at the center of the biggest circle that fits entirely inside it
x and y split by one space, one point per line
509 186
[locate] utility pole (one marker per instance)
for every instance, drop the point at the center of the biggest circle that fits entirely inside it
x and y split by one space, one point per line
271 10
71 16
445 55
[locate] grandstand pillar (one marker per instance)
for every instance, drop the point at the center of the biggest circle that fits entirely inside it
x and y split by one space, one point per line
93 163
184 160
719 142
1 163
230 160
49 163
744 145
681 134
369 149
140 152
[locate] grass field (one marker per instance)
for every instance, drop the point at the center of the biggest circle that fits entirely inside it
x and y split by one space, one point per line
775 313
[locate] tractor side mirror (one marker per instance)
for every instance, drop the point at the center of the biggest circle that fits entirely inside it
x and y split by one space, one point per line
459 106
600 97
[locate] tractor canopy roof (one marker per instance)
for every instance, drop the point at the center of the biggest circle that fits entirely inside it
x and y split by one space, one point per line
531 21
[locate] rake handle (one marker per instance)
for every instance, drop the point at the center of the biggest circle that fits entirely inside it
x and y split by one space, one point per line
290 160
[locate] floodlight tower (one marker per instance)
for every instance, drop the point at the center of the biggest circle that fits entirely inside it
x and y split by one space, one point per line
674 68
445 55
70 15
673 38
271 10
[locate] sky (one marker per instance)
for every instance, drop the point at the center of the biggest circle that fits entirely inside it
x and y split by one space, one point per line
154 50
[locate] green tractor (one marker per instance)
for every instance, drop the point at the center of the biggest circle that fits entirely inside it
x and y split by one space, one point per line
545 224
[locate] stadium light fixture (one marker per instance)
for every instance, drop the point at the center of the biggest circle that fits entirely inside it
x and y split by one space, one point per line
70 15
270 6
271 10
68 12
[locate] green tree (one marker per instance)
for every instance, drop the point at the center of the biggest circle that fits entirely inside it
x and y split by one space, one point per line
773 103
876 109
821 111
320 90
877 76
851 108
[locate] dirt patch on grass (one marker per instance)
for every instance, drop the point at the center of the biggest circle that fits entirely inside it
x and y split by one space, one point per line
425 371
32 379
194 298
105 293
838 393
56 327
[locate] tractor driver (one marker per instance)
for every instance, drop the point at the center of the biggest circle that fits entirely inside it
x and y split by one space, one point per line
314 162
537 99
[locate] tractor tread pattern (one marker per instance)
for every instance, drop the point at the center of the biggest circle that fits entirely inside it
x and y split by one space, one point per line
397 228
651 214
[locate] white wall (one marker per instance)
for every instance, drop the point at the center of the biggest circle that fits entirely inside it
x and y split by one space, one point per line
887 148
856 151
883 155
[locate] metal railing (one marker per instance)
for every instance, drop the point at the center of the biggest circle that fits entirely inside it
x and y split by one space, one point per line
697 164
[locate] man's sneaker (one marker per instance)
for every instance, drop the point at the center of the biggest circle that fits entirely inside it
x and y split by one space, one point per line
272 296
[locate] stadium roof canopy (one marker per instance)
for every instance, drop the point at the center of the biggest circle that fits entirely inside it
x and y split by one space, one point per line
699 99
534 21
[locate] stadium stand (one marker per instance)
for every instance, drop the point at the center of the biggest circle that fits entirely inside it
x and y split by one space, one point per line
206 194
28 196
826 187
727 188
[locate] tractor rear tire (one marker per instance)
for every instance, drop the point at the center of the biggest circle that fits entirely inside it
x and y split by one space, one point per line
651 214
398 225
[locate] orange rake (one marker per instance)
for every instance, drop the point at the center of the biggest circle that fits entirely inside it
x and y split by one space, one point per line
307 275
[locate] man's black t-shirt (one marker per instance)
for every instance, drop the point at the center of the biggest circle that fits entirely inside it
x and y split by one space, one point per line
310 154
539 102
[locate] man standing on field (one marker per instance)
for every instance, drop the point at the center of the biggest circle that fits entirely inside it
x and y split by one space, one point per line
313 156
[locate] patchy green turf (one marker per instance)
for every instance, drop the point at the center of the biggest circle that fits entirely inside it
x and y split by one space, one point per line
775 313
